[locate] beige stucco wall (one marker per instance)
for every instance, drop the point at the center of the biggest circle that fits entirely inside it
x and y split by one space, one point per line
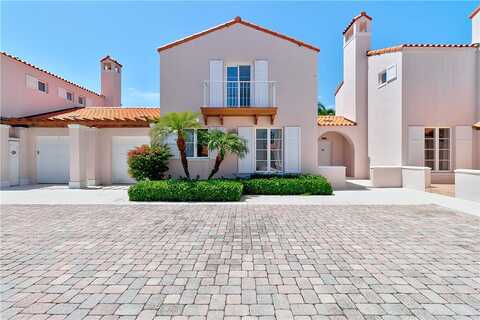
184 68
17 100
385 113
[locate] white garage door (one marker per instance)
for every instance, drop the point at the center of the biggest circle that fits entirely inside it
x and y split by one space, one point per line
53 159
120 148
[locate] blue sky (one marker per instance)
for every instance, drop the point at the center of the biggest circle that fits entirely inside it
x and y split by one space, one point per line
69 38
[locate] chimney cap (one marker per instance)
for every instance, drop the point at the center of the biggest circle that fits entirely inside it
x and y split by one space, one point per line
362 14
108 58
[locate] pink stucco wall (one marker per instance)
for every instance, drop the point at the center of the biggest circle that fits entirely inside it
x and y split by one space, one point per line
17 100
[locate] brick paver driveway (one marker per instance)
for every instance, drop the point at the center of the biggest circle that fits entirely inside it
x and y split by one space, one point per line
232 261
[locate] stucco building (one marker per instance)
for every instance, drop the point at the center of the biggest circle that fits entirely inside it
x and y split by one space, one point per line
408 106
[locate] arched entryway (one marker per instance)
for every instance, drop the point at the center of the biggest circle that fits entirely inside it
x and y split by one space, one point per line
336 149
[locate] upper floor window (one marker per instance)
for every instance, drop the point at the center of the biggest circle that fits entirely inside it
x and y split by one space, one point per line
34 83
196 144
68 95
387 75
238 85
107 66
81 100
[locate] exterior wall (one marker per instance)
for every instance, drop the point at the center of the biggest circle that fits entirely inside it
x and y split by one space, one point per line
354 135
385 113
441 90
17 100
184 68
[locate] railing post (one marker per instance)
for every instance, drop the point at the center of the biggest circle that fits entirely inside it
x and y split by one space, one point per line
274 94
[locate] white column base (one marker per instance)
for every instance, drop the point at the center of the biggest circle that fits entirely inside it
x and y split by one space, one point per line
91 182
77 184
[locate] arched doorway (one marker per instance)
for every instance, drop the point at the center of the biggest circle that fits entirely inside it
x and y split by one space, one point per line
335 149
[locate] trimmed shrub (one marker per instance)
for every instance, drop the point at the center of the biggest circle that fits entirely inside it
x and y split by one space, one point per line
145 162
178 190
287 185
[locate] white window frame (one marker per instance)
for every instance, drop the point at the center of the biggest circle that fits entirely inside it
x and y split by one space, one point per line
46 86
37 82
195 145
382 84
269 168
436 150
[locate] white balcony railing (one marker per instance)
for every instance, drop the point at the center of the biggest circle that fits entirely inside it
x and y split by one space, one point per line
239 94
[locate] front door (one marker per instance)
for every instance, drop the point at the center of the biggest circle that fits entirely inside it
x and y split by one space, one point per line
325 153
13 163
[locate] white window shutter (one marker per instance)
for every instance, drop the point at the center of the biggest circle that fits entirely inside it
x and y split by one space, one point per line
261 83
392 72
32 82
292 149
246 164
216 83
213 153
62 93
416 146
172 144
463 147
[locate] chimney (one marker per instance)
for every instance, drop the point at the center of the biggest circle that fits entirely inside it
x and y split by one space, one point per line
111 78
475 17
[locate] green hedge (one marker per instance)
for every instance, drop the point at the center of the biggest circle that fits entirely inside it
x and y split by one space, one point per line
287 185
178 190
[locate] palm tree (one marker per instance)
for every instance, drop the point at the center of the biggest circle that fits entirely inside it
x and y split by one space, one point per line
175 123
324 111
225 143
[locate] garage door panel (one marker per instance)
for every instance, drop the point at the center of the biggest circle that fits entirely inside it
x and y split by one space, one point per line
120 148
53 159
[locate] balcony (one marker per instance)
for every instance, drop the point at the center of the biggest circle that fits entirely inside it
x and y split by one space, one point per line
239 99
239 94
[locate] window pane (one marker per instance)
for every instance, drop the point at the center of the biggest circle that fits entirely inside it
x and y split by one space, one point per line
444 133
429 154
189 135
42 86
262 155
189 149
261 133
276 134
443 144
261 144
443 165
276 166
429 133
202 147
429 144
430 164
276 144
444 155
244 73
261 166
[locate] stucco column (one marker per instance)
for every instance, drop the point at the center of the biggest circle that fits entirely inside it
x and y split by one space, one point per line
4 158
23 134
78 155
92 165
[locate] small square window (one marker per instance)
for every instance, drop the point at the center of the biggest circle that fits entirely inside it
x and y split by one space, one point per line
382 77
42 86
81 100
69 96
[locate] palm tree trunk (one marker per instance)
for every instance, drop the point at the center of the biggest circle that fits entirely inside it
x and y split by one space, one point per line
216 167
183 155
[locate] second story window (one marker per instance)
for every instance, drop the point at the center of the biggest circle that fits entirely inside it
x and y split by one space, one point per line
34 83
382 77
238 85
81 101
42 86
69 96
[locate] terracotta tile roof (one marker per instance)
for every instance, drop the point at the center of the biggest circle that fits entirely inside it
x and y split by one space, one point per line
49 73
362 14
339 86
107 57
477 125
474 12
336 121
230 23
92 116
418 45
